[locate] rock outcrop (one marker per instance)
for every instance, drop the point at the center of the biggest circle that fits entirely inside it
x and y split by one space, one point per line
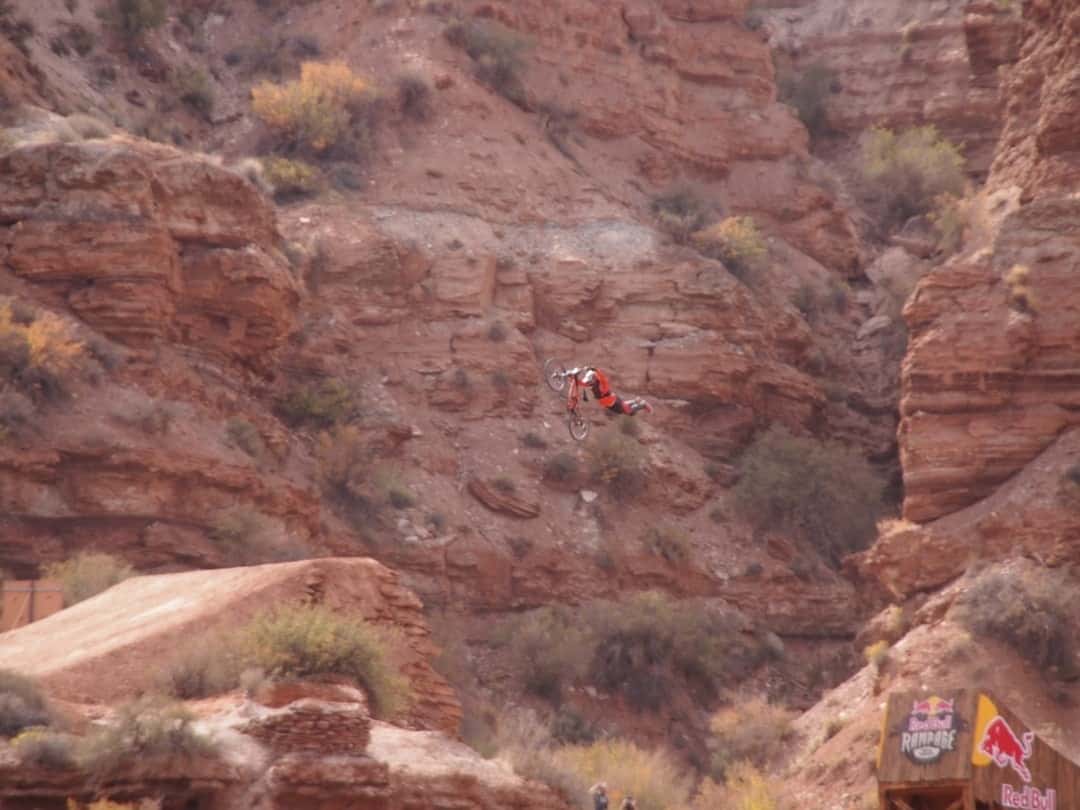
148 244
902 65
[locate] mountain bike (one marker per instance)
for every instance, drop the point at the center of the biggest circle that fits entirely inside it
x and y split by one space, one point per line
556 375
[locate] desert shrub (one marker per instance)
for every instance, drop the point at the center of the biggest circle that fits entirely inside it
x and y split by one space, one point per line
37 357
322 405
16 31
807 91
680 212
246 436
414 97
246 536
1018 288
82 39
133 18
151 416
59 46
876 653
823 490
550 649
907 171
87 574
497 332
646 643
291 179
620 462
504 484
561 467
753 730
640 647
737 242
16 413
654 779
534 440
496 53
344 469
145 728
806 301
501 380
207 667
391 487
668 543
630 427
192 85
88 127
302 641
41 748
1026 609
21 704
746 788
570 728
950 217
315 111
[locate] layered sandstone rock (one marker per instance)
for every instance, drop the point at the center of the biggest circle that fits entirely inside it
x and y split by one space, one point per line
101 649
148 244
902 65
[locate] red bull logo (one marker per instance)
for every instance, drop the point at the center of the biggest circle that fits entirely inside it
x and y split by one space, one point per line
929 731
1005 748
1028 798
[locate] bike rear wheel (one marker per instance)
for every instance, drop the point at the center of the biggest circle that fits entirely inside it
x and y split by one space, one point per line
579 426
553 375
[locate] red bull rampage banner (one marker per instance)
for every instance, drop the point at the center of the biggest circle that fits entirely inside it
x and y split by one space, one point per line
929 730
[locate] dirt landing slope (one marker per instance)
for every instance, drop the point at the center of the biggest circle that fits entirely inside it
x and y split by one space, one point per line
109 647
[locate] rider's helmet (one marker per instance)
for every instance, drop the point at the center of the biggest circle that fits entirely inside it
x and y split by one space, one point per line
589 377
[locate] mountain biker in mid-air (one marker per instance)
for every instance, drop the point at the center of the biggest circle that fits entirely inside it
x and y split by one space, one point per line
596 381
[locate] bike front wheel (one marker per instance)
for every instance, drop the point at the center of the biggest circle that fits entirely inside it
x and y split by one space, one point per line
553 375
579 426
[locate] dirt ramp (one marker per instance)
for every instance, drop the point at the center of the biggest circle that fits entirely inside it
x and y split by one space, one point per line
111 647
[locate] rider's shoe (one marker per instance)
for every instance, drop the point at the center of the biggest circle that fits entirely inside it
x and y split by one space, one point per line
646 406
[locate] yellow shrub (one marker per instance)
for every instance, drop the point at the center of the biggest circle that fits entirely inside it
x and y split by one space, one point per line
47 337
748 789
651 777
314 110
876 653
291 178
736 241
751 730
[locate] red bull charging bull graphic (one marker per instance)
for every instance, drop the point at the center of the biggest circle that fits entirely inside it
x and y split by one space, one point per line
929 731
1005 748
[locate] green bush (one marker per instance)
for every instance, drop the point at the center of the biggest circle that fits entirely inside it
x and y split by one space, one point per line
146 728
16 414
653 778
133 18
246 436
291 179
302 641
640 647
620 462
193 88
209 667
41 748
534 440
496 53
561 467
246 536
21 704
323 405
906 172
1027 609
680 212
807 91
414 97
824 491
668 543
88 574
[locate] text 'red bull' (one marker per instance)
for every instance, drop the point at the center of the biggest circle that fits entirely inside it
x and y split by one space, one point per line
1028 799
1001 744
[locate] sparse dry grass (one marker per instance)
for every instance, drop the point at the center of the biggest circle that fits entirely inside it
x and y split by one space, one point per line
753 730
